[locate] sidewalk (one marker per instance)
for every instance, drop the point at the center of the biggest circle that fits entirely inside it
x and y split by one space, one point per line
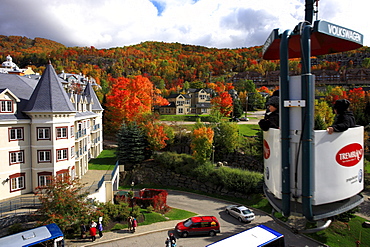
121 234
91 179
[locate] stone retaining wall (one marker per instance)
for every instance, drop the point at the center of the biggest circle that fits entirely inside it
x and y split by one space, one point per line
149 173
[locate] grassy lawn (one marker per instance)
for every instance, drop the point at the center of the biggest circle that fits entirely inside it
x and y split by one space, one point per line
248 129
105 161
153 217
344 234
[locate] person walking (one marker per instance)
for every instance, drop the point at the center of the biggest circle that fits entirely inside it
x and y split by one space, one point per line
172 240
134 224
93 231
100 229
129 223
83 230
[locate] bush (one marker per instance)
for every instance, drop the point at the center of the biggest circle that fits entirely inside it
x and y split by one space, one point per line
233 179
150 209
179 163
239 180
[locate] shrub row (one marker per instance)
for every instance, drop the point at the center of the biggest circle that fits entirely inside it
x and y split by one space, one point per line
232 179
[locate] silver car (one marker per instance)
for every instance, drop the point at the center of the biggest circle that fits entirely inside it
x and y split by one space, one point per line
242 213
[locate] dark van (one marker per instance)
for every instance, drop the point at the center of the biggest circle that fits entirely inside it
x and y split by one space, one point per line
198 225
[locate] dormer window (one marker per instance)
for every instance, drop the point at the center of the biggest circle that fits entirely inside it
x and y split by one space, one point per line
6 106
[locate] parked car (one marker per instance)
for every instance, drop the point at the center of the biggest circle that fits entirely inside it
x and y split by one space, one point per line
234 119
198 225
242 213
244 119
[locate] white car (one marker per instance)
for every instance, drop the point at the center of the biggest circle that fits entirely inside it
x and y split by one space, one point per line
242 213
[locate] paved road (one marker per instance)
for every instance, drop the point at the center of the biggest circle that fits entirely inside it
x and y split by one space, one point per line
254 117
208 206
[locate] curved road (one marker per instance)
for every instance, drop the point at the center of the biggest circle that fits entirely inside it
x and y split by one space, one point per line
204 205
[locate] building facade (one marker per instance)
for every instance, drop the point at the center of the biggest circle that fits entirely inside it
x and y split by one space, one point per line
45 131
195 101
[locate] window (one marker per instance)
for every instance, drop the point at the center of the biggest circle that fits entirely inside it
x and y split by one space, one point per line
6 106
43 133
72 151
63 175
62 154
72 131
16 157
44 156
17 182
44 178
62 132
181 110
202 97
15 134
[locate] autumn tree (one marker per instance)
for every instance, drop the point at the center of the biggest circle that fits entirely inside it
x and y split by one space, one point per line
63 202
156 134
130 99
201 143
358 104
223 101
324 115
225 138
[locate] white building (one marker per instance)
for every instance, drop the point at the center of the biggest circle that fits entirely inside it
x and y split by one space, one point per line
45 131
9 67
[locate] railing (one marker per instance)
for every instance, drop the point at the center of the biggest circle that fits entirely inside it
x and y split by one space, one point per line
98 191
96 127
80 134
20 204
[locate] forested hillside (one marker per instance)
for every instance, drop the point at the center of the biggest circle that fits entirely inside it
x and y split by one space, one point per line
168 65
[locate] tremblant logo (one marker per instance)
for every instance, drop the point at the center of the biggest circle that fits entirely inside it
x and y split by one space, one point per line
266 150
350 155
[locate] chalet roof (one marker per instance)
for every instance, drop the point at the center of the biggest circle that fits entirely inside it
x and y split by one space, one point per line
177 95
20 86
91 96
49 95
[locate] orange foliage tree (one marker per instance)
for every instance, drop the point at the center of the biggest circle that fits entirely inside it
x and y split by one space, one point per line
223 102
201 143
132 100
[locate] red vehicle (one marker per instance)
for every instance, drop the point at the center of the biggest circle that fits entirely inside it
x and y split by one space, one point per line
198 225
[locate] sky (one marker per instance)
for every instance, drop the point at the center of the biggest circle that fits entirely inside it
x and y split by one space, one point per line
209 23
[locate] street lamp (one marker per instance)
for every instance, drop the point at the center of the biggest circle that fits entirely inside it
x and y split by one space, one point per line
132 197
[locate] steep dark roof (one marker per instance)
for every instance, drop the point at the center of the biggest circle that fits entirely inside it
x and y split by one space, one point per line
22 87
49 95
187 96
91 96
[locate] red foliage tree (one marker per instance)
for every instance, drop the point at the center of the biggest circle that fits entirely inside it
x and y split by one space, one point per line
130 99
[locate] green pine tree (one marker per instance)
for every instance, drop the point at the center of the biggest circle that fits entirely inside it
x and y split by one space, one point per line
132 144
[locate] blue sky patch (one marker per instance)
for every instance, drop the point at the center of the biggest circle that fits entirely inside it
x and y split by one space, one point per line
160 7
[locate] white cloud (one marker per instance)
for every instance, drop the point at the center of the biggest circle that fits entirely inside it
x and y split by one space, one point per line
212 23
